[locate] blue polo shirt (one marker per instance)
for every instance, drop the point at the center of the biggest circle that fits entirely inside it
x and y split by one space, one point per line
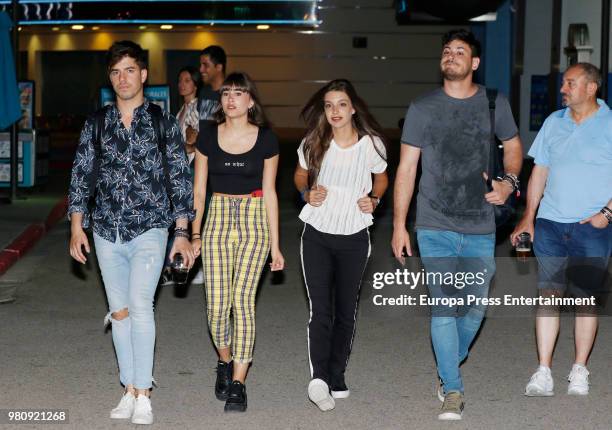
579 162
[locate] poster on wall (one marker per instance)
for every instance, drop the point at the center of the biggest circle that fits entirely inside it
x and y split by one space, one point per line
158 94
26 101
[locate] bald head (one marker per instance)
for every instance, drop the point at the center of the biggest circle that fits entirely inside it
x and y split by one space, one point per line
580 84
590 72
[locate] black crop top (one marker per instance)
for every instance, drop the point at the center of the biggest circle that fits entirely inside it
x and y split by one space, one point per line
235 173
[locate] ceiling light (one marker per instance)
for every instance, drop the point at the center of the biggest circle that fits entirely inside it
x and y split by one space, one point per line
78 27
166 27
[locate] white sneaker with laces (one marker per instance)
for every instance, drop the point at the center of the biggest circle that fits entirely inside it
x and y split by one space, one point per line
318 393
125 408
578 381
143 413
198 279
541 383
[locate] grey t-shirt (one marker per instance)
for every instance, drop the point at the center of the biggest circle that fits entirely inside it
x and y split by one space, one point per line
454 137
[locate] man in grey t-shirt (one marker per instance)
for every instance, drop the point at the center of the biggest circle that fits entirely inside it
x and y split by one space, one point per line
449 130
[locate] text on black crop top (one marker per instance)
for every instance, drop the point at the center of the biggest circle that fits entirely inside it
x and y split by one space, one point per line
235 173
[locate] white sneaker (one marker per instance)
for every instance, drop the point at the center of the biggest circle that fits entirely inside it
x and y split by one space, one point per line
143 413
198 279
125 408
541 383
318 393
578 381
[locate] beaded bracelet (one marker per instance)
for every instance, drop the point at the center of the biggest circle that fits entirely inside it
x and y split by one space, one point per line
181 232
607 212
512 180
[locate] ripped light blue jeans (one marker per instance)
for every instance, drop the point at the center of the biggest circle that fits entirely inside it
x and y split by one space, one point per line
131 272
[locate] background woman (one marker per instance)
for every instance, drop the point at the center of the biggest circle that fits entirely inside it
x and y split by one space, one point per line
188 117
239 155
189 123
343 147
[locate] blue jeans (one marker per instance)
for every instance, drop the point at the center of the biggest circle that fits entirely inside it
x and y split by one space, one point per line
130 272
459 269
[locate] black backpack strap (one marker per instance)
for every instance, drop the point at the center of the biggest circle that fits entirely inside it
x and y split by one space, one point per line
159 128
494 147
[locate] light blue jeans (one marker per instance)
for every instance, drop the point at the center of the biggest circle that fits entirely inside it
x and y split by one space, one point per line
131 272
467 265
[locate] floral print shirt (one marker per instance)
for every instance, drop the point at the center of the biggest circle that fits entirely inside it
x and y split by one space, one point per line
132 194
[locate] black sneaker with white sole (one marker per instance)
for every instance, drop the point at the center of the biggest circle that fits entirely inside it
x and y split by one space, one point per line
224 379
237 398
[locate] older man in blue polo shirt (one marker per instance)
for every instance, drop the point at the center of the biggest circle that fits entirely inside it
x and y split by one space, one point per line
571 183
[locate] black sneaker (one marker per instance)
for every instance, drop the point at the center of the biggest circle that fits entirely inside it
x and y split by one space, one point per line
224 379
338 388
166 279
237 398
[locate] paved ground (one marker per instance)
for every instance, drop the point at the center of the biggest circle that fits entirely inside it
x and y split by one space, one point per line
55 353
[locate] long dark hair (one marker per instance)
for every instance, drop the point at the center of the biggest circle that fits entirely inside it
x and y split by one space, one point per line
194 74
242 82
319 134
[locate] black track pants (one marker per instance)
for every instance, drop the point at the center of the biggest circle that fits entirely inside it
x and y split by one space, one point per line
333 266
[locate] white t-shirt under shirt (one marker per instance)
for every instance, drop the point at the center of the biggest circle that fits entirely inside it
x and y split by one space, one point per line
347 175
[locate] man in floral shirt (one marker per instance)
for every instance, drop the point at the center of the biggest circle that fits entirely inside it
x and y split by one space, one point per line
141 186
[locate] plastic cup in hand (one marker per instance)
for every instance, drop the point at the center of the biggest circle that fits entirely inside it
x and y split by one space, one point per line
523 246
180 271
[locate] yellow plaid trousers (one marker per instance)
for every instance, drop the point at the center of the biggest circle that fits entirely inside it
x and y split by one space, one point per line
235 247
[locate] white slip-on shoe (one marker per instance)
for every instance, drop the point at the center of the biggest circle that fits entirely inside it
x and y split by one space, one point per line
340 393
143 413
339 389
318 393
578 381
541 383
125 408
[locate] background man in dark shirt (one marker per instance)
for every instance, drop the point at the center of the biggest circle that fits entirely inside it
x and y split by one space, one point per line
212 68
138 193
